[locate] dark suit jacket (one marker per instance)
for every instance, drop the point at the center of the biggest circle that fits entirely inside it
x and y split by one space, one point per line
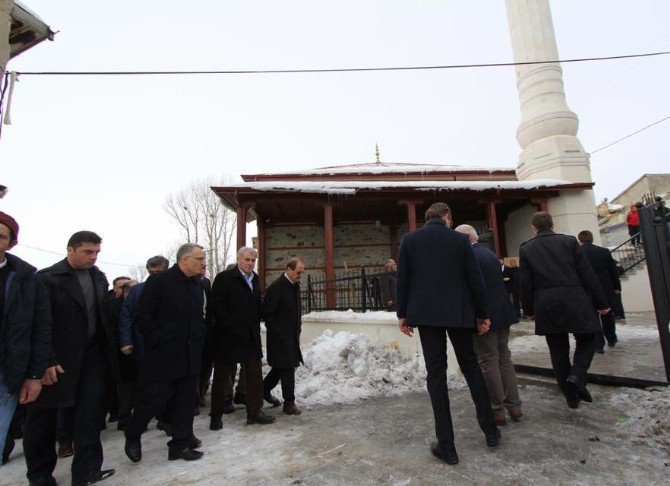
558 285
237 318
606 269
171 319
438 277
501 310
512 273
70 330
281 312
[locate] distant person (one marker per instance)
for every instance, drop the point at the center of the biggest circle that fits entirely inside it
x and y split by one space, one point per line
605 268
171 319
84 355
282 315
117 286
25 329
511 279
633 223
492 348
561 292
387 284
437 275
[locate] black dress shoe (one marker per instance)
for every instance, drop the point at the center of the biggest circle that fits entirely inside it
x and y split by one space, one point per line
493 438
228 407
44 481
185 454
600 351
261 418
574 403
579 388
94 478
240 398
194 442
133 450
446 454
215 423
274 401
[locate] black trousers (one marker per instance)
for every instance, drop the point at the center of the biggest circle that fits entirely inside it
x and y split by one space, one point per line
559 348
287 378
222 386
434 345
152 399
609 330
39 437
127 392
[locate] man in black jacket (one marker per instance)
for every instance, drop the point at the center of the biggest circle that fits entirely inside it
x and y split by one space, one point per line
606 270
25 328
171 319
281 312
437 276
561 292
236 304
83 353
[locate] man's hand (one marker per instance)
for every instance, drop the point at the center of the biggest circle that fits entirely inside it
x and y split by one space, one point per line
602 312
404 328
51 375
30 390
617 291
127 349
483 326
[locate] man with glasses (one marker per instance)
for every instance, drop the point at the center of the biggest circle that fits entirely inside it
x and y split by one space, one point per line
171 318
281 311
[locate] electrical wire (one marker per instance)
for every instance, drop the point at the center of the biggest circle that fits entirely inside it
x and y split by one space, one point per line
334 70
629 135
61 254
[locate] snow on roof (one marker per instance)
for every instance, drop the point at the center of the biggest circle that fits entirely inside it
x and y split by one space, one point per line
389 167
351 187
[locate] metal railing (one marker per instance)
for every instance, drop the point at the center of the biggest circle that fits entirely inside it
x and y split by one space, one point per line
629 254
359 290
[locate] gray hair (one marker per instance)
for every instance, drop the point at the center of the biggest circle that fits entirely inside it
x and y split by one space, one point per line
388 262
187 248
247 249
158 261
466 229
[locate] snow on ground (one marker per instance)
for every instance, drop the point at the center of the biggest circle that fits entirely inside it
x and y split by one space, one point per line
645 416
350 315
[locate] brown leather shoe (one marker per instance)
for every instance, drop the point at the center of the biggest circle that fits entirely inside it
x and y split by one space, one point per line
65 448
290 409
515 414
499 418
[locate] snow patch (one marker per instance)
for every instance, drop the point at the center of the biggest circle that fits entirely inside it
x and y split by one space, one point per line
645 417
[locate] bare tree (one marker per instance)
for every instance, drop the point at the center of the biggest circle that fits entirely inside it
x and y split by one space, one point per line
138 272
203 219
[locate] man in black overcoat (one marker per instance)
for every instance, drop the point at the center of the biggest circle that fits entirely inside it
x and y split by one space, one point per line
492 348
83 355
282 315
171 319
606 270
236 304
437 276
561 292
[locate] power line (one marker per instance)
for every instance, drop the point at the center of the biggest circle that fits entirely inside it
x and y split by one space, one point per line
630 135
333 70
60 253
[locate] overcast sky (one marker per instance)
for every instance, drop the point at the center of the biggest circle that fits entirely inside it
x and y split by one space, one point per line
102 153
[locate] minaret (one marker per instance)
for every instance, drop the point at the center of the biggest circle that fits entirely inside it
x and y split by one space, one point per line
548 129
378 160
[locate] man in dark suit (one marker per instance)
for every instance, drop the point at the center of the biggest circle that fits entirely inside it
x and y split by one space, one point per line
281 312
495 358
606 270
437 276
561 292
236 304
171 319
511 278
84 354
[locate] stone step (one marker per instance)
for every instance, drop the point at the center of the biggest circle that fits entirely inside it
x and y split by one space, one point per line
536 380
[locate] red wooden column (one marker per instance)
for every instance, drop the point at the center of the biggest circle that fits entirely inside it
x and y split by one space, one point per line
241 226
493 223
329 244
411 214
260 223
541 203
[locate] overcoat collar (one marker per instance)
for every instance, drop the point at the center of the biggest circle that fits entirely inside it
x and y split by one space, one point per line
439 221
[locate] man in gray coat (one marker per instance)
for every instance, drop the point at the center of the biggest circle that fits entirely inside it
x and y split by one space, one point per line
561 291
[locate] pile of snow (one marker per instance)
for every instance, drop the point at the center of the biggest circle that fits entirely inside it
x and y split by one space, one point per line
347 368
350 315
648 419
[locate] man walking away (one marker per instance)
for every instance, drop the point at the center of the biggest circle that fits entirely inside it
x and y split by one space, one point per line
281 311
25 329
171 319
83 356
437 274
559 288
605 268
495 358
